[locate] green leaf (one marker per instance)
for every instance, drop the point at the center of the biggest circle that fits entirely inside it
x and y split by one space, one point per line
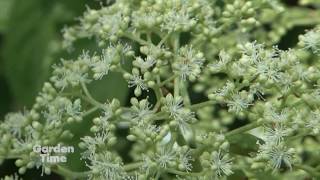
5 97
243 144
5 8
27 49
31 41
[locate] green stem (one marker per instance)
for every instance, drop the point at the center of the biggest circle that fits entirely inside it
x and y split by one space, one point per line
70 174
132 166
201 105
176 43
182 173
167 80
90 111
159 116
149 37
136 38
90 98
243 128
176 86
164 39
159 94
185 94
200 150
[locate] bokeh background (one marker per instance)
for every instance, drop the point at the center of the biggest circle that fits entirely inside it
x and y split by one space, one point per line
30 42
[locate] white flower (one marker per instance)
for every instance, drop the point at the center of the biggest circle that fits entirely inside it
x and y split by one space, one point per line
52 115
276 134
59 108
221 164
280 154
69 73
224 58
165 156
253 51
101 66
147 165
145 19
144 64
92 143
257 90
313 123
225 90
106 165
273 116
285 82
25 142
277 154
178 20
173 105
151 129
188 63
104 118
238 102
185 160
141 111
138 82
301 71
74 109
311 40
111 23
60 76
268 69
14 123
185 115
85 57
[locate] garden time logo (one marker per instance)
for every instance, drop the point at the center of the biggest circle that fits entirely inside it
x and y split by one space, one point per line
53 154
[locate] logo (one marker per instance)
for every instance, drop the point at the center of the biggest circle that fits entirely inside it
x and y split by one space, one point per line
53 154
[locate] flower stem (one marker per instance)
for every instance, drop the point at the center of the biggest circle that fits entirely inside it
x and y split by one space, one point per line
69 174
90 98
136 38
132 166
185 94
182 173
167 80
176 87
201 105
244 128
90 111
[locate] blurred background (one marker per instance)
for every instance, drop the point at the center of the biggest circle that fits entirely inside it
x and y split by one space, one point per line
30 42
